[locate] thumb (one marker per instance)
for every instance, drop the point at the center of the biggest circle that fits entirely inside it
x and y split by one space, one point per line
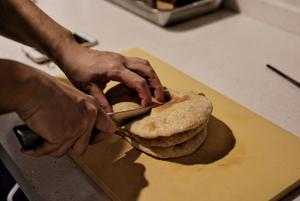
103 128
100 97
104 123
98 136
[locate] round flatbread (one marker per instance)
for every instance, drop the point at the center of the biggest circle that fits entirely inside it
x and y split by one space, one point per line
123 98
169 141
185 111
124 106
176 151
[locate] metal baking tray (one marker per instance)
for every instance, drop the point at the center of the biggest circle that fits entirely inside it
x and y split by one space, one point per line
164 18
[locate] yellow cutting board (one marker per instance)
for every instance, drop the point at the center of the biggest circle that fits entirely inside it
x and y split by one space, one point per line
245 156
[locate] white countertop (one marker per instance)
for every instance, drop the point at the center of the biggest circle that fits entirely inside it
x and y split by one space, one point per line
224 50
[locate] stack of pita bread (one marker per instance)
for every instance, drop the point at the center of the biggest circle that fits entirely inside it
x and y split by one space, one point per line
176 128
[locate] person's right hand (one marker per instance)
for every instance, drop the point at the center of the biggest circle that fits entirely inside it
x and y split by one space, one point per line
62 115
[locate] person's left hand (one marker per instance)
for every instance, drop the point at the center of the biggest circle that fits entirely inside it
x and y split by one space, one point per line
90 71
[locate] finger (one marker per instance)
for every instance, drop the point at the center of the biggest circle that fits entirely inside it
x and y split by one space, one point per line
100 97
147 71
137 60
42 150
62 150
80 145
99 136
134 81
104 123
69 88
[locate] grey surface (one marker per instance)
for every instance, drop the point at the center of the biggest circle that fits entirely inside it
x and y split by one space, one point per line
44 179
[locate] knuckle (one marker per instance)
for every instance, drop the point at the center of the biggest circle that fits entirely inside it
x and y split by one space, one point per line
37 155
112 128
57 139
141 83
88 116
150 72
91 99
115 69
144 61
114 55
159 88
73 152
57 155
119 57
78 152
92 109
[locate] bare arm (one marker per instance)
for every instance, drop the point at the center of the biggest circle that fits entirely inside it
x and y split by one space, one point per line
51 108
15 85
89 70
61 114
23 21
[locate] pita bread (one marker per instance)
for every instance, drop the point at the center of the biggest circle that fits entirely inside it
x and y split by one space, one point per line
176 151
124 106
175 139
175 129
123 98
185 111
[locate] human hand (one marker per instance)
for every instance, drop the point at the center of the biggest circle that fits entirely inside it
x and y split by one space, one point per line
62 115
90 71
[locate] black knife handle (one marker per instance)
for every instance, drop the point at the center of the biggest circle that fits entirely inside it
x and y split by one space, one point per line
30 140
27 137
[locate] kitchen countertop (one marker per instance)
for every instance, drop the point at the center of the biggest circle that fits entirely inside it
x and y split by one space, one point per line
225 50
284 14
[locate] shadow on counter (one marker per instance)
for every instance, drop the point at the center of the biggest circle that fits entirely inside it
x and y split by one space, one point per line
201 21
114 168
219 142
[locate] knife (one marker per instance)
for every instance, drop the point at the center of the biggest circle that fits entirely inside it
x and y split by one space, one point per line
30 140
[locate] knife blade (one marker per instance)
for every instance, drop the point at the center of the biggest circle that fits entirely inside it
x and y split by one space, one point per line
30 140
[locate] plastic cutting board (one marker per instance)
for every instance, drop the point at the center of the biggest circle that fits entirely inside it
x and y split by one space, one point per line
245 156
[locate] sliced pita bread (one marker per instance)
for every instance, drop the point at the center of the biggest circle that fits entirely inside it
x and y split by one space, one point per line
185 111
176 151
169 141
123 98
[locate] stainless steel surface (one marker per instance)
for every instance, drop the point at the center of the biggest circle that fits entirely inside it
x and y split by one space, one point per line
164 18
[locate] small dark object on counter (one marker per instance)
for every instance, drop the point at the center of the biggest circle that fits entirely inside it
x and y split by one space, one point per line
288 78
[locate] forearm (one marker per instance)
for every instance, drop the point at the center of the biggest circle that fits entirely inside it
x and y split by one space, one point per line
23 21
16 85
